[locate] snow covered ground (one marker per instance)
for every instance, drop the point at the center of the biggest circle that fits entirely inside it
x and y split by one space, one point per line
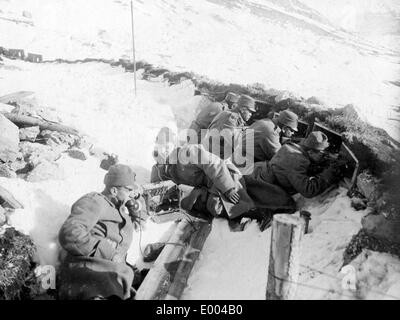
282 44
299 49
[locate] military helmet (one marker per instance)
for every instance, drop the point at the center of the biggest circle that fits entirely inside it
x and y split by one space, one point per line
289 119
247 101
232 97
316 140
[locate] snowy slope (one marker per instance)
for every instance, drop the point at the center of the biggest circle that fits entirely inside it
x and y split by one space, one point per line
282 44
293 45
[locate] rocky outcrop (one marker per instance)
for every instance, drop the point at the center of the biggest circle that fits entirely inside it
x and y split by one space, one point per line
9 140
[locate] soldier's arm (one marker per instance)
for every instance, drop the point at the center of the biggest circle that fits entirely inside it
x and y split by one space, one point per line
75 235
270 145
306 185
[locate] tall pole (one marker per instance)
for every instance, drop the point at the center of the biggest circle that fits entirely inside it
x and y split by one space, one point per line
133 49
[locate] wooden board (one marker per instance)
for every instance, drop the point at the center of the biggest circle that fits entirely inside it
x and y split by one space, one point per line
351 172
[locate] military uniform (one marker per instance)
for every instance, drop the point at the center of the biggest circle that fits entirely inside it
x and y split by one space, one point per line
266 139
96 236
202 169
289 170
205 117
233 123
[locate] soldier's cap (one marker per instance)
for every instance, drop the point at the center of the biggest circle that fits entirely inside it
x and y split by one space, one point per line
316 140
120 175
247 101
232 97
289 119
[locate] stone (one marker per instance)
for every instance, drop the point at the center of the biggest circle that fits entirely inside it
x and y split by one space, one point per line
359 203
29 133
76 153
98 153
9 140
45 170
350 112
84 142
315 100
34 153
55 139
6 108
3 217
380 227
285 95
368 186
6 172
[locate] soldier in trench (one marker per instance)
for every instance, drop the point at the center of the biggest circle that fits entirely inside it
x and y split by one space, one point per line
203 120
291 169
218 188
96 237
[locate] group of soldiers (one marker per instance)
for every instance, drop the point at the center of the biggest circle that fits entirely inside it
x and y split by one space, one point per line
97 234
279 166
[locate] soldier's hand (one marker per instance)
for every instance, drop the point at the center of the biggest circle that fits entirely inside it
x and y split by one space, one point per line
232 196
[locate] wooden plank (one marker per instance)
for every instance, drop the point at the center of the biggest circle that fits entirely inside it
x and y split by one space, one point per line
157 282
284 260
27 121
7 200
189 259
351 172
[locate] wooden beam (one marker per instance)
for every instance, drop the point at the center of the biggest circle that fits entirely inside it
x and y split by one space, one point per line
7 200
189 258
284 259
156 284
26 121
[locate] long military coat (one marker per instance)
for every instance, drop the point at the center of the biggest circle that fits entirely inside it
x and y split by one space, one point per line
96 236
204 119
228 126
289 170
194 166
266 139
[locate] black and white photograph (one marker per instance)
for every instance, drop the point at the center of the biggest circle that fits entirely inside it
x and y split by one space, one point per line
208 150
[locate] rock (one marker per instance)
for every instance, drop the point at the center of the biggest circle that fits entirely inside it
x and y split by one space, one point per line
46 170
315 100
84 142
9 140
3 217
285 95
29 133
5 108
27 14
350 112
6 172
98 153
368 186
58 139
33 152
77 154
381 227
359 203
